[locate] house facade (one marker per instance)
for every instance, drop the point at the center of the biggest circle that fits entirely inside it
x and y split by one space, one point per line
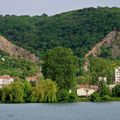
6 80
86 90
117 75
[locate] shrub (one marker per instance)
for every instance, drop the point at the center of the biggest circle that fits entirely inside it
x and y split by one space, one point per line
63 95
73 97
94 97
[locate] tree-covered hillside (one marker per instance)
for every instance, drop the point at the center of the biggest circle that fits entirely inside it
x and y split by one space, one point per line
79 30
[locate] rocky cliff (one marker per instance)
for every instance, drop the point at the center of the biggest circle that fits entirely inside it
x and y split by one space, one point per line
16 51
112 40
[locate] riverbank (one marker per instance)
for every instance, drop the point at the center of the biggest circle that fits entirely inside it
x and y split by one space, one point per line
100 99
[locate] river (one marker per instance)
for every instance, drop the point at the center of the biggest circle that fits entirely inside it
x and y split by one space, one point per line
68 111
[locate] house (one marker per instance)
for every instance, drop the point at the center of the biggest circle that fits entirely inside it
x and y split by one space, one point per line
6 80
117 75
32 79
86 90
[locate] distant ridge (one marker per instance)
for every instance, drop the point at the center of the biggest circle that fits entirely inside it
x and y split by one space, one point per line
16 51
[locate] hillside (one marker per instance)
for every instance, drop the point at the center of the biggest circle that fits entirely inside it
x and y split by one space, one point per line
17 67
79 29
104 57
109 47
17 61
16 51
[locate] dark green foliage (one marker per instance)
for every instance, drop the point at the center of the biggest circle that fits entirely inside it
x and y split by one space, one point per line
103 94
79 30
106 52
104 90
94 97
116 91
61 65
63 95
73 97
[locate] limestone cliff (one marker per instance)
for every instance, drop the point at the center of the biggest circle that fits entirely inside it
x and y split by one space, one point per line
112 40
16 51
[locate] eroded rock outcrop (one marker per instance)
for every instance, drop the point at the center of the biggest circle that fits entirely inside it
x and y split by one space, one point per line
16 51
109 40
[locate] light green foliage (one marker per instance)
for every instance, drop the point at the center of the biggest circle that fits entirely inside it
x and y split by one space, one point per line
27 88
16 92
45 91
61 65
12 93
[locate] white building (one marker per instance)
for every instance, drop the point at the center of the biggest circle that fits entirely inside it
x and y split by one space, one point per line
86 90
117 75
6 80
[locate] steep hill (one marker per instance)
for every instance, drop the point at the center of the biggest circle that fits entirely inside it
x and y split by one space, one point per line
16 51
109 47
80 29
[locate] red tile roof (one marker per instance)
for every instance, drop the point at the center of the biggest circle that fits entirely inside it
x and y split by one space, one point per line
95 87
33 78
6 77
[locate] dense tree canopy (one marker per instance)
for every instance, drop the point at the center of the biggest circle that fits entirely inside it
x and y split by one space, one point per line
60 65
79 30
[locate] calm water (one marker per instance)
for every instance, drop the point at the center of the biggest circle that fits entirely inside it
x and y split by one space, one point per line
74 111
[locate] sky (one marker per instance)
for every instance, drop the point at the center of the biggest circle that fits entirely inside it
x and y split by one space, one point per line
50 7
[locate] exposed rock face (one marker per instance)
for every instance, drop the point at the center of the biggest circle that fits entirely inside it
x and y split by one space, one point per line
110 40
16 51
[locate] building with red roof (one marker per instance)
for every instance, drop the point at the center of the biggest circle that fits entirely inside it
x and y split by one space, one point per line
6 80
86 90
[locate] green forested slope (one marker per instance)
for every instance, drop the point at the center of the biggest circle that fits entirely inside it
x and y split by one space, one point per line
79 30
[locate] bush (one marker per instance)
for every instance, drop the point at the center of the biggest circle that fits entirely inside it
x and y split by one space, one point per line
73 97
106 98
63 95
94 97
45 91
116 91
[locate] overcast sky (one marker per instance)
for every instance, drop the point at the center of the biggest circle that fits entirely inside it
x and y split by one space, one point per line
50 7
